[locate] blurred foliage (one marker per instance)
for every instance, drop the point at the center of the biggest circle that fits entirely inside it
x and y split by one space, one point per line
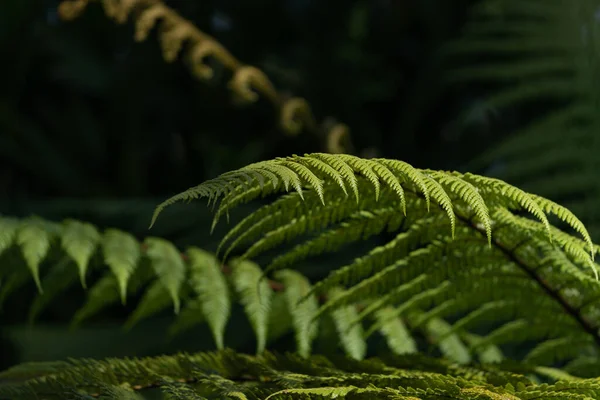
87 112
96 126
539 68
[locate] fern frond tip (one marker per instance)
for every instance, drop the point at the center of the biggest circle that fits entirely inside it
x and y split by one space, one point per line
202 190
155 214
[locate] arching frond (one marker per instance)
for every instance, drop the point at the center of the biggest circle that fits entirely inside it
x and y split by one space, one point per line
502 272
164 277
441 284
376 172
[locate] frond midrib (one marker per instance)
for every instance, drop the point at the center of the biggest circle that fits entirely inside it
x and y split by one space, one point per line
569 309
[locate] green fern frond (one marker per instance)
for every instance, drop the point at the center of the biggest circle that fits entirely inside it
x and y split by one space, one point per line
168 266
255 295
34 241
297 288
212 290
164 277
441 285
343 171
376 171
501 244
121 253
79 241
227 374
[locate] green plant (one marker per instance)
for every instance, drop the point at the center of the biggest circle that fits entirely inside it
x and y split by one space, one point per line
155 270
475 268
539 60
274 376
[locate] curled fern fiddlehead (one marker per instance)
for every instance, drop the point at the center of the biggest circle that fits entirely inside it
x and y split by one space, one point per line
179 36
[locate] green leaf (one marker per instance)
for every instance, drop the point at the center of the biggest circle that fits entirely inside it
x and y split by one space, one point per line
351 335
210 285
398 337
297 287
122 254
255 295
168 264
34 240
80 241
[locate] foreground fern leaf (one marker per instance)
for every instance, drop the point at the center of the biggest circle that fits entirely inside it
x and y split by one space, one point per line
242 185
467 248
227 374
489 279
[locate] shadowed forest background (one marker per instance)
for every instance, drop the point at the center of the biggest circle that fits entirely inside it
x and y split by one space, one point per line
98 127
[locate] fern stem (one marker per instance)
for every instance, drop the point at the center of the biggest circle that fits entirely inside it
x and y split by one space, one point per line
569 309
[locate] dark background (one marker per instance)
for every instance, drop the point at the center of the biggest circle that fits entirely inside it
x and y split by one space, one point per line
97 127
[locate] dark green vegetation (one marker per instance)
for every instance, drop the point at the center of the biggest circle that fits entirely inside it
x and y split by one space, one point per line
459 285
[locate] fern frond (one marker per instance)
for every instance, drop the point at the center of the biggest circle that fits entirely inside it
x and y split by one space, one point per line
212 289
273 376
502 243
255 295
441 286
164 277
79 241
121 253
297 287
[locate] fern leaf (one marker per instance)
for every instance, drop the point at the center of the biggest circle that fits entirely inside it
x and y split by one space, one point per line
255 294
122 254
553 350
80 241
332 172
34 241
486 355
398 338
212 290
271 376
296 288
168 265
342 167
447 263
351 336
469 194
98 297
550 207
451 345
308 176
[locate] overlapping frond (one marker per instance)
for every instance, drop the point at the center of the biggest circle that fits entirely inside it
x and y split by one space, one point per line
461 245
540 55
55 257
206 289
226 374
464 254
